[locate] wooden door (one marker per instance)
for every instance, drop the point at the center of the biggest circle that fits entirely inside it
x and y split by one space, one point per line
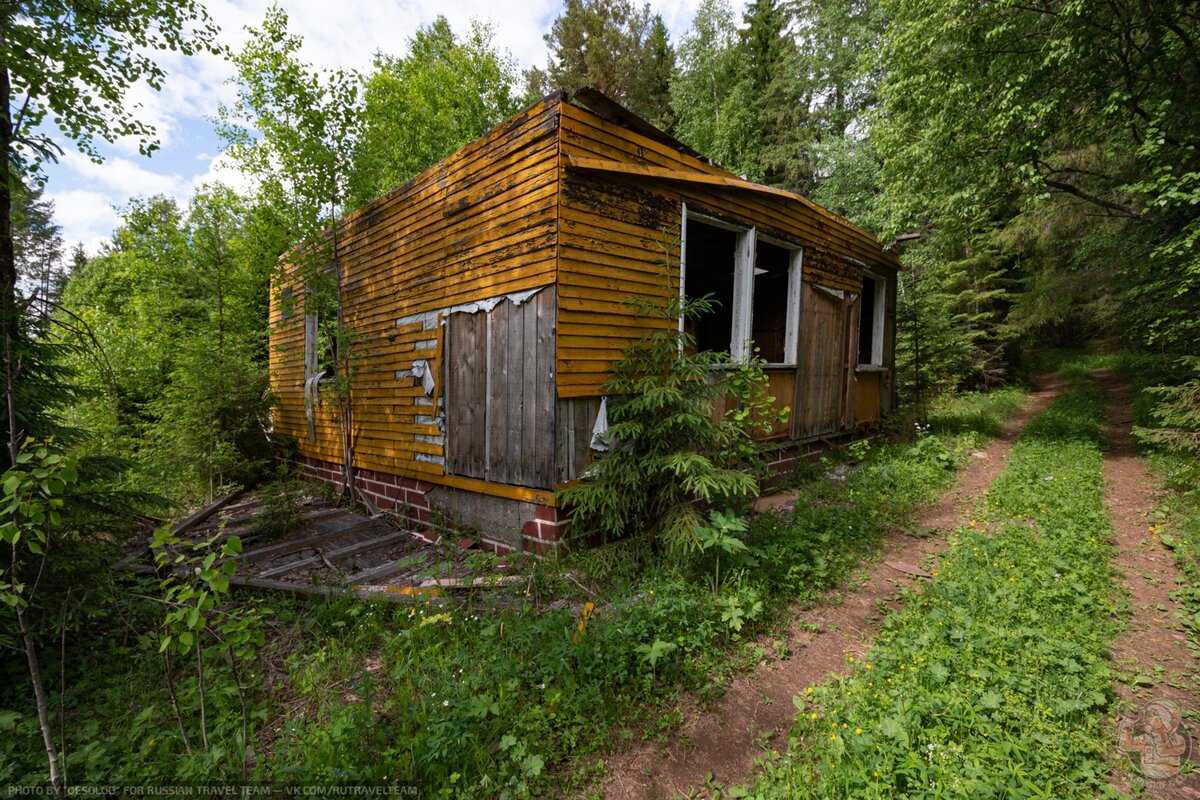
826 393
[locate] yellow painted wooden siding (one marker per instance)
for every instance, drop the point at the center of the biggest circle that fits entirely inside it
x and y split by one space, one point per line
617 231
868 390
479 224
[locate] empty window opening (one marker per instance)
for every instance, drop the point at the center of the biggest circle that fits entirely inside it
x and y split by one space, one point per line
711 259
321 325
870 322
752 285
769 319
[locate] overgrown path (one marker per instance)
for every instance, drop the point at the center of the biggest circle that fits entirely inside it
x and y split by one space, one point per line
718 746
1153 651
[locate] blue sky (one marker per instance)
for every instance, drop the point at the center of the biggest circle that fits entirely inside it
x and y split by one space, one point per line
344 34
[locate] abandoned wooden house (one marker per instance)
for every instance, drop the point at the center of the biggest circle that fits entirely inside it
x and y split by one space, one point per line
485 297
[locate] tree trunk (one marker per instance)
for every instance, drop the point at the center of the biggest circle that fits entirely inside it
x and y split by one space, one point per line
8 332
39 695
343 368
8 259
8 262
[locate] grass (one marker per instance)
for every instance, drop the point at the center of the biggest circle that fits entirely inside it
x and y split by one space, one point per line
994 679
509 693
977 413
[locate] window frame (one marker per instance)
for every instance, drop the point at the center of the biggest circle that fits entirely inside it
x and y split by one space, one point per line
744 261
878 320
312 332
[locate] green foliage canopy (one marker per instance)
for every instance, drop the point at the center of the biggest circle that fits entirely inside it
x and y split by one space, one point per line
1068 128
421 107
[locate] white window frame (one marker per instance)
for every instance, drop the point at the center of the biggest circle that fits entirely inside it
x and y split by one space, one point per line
878 322
745 254
791 336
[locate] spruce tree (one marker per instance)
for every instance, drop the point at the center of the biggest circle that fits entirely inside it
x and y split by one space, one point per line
612 46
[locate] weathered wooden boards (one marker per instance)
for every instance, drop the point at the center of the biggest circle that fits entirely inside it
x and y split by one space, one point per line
620 218
828 355
479 224
329 551
500 392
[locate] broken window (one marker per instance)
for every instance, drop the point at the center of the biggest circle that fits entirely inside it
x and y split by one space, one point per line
769 318
320 340
710 274
320 326
870 321
753 286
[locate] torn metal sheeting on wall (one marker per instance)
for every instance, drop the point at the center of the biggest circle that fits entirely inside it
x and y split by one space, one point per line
474 307
420 370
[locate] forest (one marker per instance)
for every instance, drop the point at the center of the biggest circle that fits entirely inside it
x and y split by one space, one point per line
1036 166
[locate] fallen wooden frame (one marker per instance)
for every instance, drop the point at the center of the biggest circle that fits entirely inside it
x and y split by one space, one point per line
330 547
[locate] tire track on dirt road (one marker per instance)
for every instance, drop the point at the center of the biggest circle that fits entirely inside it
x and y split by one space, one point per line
756 710
1153 645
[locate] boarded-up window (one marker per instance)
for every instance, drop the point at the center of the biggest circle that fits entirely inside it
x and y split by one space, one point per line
500 392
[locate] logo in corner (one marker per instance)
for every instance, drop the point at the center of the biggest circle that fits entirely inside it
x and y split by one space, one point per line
1157 734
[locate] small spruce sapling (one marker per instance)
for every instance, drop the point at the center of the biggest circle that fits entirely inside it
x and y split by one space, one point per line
670 446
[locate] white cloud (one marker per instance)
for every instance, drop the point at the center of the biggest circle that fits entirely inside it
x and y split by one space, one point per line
220 170
122 177
86 216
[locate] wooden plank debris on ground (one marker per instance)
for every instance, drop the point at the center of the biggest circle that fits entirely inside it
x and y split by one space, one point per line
328 551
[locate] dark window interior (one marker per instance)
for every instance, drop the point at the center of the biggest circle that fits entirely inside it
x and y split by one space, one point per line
769 319
287 303
709 271
866 321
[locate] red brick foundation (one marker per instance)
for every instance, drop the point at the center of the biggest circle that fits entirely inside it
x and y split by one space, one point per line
542 534
409 499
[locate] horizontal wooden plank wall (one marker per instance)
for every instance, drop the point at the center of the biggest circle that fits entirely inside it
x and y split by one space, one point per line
867 391
505 215
481 223
618 233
